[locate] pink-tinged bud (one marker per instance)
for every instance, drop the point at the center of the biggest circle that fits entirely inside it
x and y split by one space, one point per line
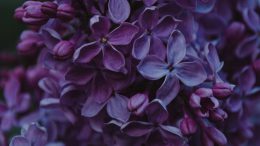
204 92
218 115
216 136
188 126
256 65
30 42
137 103
33 14
19 13
65 12
63 50
49 8
222 90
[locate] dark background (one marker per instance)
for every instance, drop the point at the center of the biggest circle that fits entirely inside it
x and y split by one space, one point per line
10 29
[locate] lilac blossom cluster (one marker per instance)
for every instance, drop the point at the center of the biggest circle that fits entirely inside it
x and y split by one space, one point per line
133 73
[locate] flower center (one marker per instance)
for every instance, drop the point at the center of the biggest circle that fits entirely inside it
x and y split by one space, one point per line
170 67
103 40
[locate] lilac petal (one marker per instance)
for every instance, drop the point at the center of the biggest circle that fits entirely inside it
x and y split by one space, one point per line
92 108
141 47
176 48
252 19
189 27
11 91
170 131
169 89
86 52
50 102
191 73
136 128
165 26
194 101
148 18
247 46
71 95
117 108
157 48
152 68
123 35
113 59
19 141
247 79
101 90
97 123
99 25
212 58
205 6
234 104
79 76
149 2
49 86
50 37
156 111
119 10
36 135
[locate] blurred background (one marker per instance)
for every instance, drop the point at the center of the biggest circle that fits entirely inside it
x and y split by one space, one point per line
10 29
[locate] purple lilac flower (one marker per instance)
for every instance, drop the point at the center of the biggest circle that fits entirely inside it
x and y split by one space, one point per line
133 73
153 68
105 41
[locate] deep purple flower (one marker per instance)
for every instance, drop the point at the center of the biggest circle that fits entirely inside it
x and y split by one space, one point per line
32 135
112 58
153 68
153 30
203 101
157 115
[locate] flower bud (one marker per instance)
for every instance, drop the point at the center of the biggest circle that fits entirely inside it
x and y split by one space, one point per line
30 42
49 8
137 103
65 12
218 115
19 13
63 50
33 14
188 126
222 90
204 92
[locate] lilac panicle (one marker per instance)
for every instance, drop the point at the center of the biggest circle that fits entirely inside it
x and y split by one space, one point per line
133 73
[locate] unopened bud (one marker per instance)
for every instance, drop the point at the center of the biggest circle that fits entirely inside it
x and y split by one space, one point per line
65 12
63 50
137 103
49 8
218 114
188 126
222 90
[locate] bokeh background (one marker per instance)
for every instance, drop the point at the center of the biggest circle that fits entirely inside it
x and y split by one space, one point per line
10 29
